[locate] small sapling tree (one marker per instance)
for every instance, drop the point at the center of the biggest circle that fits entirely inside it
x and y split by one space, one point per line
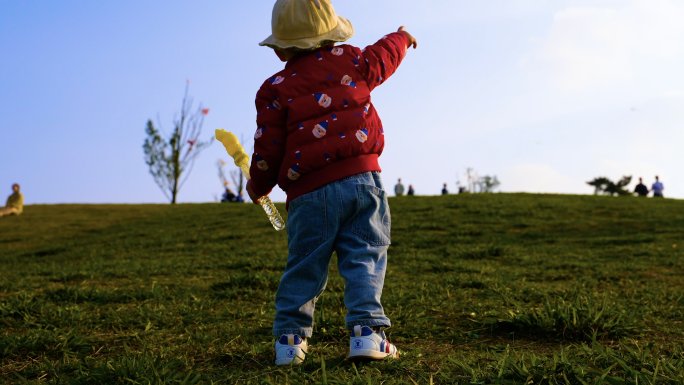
473 179
603 185
489 183
479 184
172 157
599 184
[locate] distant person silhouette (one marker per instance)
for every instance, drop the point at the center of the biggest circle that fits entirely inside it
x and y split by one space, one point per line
228 196
641 189
15 203
658 188
399 188
411 191
444 190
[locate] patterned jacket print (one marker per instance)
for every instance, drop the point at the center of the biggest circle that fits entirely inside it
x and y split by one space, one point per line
315 120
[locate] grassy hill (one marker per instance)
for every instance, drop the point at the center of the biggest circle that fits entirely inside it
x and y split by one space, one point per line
503 288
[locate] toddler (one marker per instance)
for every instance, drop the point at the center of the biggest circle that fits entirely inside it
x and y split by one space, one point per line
319 137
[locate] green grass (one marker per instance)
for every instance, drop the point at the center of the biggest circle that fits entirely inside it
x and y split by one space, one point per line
501 288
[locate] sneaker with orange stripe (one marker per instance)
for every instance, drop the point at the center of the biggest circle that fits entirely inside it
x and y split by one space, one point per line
366 343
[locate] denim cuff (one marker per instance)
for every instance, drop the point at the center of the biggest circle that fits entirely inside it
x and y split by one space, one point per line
371 323
303 332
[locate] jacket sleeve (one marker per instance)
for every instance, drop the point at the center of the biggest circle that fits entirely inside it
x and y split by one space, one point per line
269 141
383 58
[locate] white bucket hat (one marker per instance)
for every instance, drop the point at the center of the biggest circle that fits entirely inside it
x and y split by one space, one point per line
305 25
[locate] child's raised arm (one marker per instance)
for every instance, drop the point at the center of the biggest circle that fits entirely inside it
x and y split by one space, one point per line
383 58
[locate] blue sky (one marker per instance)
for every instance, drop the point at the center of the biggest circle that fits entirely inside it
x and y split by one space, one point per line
544 94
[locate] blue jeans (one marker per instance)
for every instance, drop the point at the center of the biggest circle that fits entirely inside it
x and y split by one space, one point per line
351 217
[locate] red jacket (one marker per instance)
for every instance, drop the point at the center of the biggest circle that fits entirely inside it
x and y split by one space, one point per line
316 123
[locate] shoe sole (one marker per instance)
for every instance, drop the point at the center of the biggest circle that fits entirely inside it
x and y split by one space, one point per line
371 354
289 361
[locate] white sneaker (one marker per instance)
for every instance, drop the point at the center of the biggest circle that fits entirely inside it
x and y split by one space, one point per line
290 348
365 343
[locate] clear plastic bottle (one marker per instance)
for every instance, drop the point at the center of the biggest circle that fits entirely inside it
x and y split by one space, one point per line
235 150
269 207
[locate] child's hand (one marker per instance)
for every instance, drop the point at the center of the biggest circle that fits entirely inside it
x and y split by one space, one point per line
412 41
252 196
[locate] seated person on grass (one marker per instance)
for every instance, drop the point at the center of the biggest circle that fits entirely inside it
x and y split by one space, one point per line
228 196
15 203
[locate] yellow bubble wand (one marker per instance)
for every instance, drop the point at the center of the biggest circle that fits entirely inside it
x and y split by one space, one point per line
235 150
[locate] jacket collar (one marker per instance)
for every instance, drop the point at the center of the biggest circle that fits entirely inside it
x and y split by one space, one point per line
302 55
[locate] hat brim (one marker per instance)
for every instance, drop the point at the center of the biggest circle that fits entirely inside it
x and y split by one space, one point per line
343 32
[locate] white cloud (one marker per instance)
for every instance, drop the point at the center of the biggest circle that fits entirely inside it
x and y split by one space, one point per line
588 46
